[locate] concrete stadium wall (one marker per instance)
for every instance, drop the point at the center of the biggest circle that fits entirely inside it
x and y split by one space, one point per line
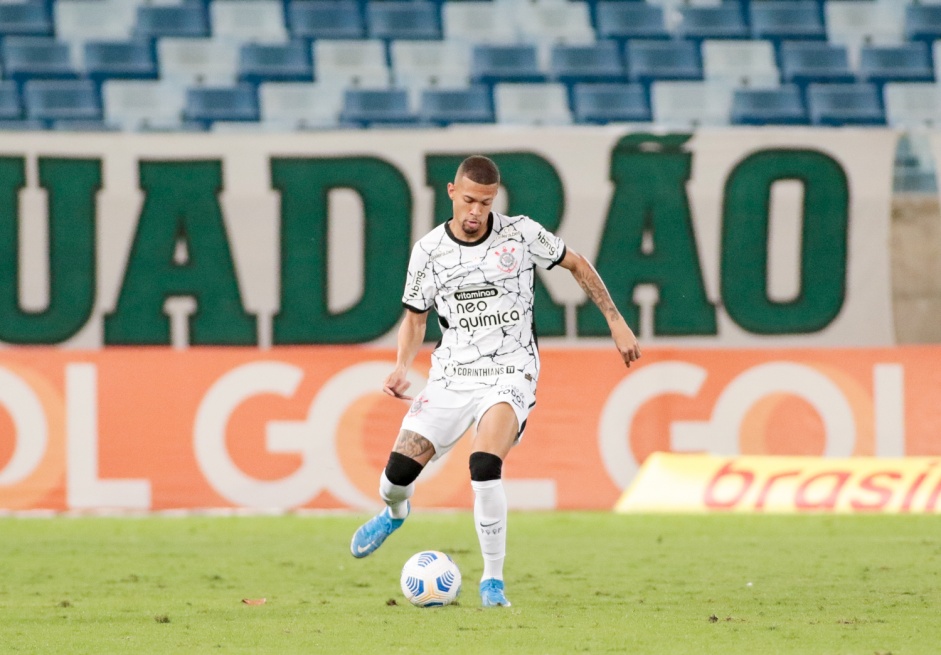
916 268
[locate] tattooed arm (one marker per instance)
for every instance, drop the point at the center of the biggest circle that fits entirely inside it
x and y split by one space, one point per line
589 280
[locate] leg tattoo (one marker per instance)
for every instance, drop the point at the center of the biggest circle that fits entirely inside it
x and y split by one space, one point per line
414 445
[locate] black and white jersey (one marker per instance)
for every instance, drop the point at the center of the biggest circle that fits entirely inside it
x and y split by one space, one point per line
483 293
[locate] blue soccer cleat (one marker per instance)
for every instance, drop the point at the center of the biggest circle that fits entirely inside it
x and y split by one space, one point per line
373 532
491 593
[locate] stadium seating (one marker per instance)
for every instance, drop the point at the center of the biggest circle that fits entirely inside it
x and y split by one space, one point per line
195 61
780 106
855 23
491 64
804 62
844 104
25 19
143 105
11 106
610 103
574 64
688 105
402 20
630 20
205 105
478 22
649 60
36 57
923 22
325 19
352 62
52 100
185 20
912 104
368 107
105 60
909 62
473 104
300 106
264 62
740 63
248 21
531 104
784 20
550 23
430 64
722 22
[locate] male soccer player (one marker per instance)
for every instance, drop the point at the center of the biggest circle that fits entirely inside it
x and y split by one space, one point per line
477 270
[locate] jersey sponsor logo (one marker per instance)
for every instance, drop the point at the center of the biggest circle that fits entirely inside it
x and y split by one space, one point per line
452 371
506 260
414 291
490 320
476 294
544 240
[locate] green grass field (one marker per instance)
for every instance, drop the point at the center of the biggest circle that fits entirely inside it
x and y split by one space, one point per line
580 582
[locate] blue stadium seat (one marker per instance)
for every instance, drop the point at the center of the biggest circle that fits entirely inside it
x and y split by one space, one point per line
26 19
610 103
473 104
492 64
721 22
600 62
184 20
787 20
908 62
844 104
662 60
630 20
119 60
365 107
11 107
27 57
804 62
780 106
923 23
403 20
325 19
206 105
52 100
290 62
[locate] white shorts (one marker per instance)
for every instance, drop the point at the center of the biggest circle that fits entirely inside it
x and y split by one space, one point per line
442 416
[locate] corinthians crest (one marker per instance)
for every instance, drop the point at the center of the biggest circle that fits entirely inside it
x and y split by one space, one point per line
506 260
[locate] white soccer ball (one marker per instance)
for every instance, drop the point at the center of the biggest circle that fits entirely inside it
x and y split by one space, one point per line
430 579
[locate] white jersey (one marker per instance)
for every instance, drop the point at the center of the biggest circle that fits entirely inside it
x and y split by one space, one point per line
483 293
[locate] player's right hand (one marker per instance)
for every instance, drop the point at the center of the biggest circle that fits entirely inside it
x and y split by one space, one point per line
396 385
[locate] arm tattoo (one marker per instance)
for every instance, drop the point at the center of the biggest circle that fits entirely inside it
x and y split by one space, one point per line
589 280
412 445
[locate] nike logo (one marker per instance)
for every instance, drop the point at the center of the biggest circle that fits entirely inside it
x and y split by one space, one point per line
363 549
489 525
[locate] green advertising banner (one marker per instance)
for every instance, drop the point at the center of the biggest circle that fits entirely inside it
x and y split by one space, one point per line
737 237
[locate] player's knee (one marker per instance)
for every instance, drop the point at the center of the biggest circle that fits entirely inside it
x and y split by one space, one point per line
402 470
485 466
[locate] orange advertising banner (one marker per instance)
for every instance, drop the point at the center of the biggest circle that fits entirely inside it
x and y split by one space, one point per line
306 427
668 482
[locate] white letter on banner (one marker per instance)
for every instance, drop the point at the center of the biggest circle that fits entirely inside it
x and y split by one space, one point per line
214 460
85 489
625 401
31 430
720 435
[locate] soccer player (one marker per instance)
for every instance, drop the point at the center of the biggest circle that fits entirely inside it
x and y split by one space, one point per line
477 271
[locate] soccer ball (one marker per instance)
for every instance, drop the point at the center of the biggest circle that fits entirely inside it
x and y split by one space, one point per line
430 579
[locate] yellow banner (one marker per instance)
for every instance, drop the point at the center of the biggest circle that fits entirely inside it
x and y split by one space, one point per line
670 482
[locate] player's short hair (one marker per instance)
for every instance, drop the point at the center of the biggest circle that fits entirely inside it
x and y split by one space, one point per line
479 169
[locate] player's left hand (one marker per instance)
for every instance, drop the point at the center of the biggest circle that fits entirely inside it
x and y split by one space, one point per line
625 341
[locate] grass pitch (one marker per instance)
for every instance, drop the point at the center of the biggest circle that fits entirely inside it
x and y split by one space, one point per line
579 582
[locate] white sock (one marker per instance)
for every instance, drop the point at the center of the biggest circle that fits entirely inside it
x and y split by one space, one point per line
395 496
490 521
